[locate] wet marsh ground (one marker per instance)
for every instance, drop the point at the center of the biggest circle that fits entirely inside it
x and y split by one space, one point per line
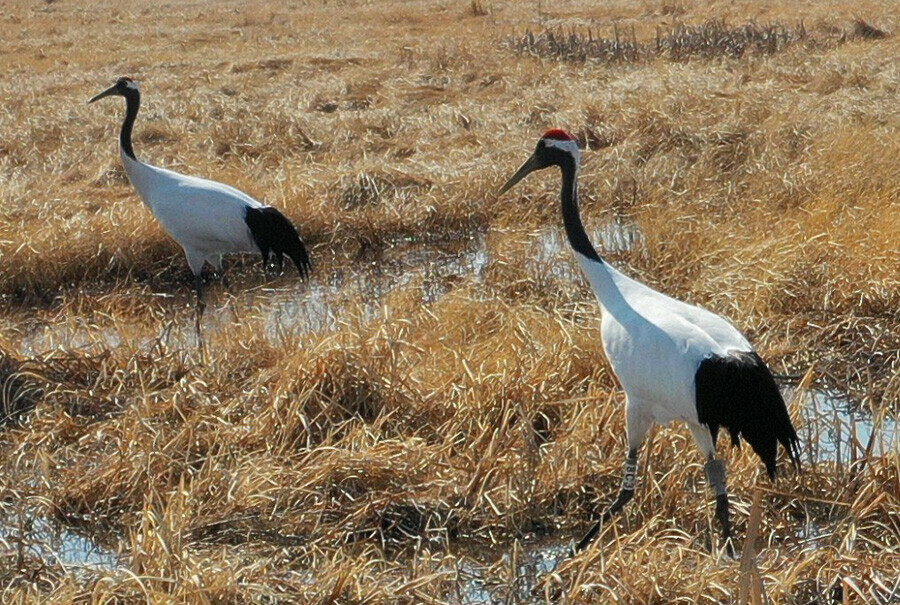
430 419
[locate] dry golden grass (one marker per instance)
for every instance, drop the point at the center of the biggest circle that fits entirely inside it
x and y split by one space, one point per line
419 421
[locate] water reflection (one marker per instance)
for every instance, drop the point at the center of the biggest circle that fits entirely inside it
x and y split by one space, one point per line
490 575
29 536
318 306
834 431
283 304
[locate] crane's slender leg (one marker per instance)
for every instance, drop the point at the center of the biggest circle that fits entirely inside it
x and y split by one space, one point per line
196 260
637 425
715 476
265 259
217 264
201 307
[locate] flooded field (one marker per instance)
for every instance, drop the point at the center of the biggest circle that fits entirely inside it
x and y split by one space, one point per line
837 436
287 305
835 433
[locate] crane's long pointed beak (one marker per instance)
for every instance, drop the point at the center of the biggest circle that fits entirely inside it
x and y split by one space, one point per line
109 91
530 165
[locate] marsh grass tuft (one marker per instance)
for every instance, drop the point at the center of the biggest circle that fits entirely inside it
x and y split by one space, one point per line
712 39
369 189
478 8
864 29
715 39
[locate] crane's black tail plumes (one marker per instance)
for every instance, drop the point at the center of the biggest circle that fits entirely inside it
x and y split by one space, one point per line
274 233
737 391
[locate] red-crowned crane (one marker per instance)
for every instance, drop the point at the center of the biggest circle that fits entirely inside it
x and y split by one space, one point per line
208 219
674 361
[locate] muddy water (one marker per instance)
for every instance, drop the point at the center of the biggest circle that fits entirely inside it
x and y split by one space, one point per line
321 306
512 575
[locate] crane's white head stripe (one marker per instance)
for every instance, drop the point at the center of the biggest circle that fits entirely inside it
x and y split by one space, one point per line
132 84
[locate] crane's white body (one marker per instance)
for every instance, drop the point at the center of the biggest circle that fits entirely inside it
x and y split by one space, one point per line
205 217
655 344
674 361
208 219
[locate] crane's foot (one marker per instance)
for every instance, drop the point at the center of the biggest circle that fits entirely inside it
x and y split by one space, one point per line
724 520
625 495
715 474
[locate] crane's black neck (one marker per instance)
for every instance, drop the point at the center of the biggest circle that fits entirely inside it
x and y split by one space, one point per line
578 237
132 104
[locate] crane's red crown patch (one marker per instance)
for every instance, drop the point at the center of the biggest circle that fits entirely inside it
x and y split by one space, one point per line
558 134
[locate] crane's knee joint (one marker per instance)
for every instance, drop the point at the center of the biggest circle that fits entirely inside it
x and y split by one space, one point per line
630 477
715 474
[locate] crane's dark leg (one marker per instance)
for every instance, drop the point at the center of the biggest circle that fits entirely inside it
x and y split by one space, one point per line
636 426
201 307
715 474
220 269
196 259
626 493
265 258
